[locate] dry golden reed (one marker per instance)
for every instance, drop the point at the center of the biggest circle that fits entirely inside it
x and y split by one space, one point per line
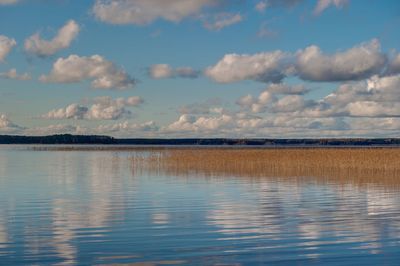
344 165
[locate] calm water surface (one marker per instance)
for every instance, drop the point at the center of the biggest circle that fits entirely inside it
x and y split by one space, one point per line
95 208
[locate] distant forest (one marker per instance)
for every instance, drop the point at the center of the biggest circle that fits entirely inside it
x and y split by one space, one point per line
106 140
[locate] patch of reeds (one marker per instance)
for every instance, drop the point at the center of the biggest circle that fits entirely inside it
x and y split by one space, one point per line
354 165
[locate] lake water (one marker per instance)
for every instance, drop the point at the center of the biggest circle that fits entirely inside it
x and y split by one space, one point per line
97 208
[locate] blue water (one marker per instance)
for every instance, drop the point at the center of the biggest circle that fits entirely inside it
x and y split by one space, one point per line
95 208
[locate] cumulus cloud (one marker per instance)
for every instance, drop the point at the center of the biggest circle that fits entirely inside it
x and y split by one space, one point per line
222 20
201 124
377 96
373 109
103 108
7 126
6 44
259 104
103 73
268 100
73 111
376 89
292 103
164 71
141 12
322 5
12 74
264 67
65 35
356 63
8 2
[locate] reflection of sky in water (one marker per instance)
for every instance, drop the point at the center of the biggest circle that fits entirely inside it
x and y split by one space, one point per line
91 207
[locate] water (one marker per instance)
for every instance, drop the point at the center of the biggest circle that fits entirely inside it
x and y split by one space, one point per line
95 208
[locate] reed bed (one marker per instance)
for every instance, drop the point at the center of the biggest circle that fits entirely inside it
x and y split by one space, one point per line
350 165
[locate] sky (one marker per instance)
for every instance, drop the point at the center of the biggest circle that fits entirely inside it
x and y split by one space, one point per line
200 68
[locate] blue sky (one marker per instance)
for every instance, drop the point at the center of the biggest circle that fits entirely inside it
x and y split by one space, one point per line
200 68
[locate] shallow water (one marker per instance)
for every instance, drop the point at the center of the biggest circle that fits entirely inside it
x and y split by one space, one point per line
95 208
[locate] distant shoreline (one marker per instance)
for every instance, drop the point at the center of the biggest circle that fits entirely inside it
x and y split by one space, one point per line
67 139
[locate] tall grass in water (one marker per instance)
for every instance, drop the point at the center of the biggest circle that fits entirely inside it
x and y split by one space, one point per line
355 165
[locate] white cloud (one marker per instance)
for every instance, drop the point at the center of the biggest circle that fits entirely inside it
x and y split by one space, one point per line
311 64
322 5
141 12
267 99
264 67
73 111
375 97
103 108
37 46
356 63
7 126
12 74
373 109
287 89
394 66
292 103
201 124
279 125
240 125
163 71
222 20
376 89
8 2
104 74
259 104
6 44
261 6
128 129
106 108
